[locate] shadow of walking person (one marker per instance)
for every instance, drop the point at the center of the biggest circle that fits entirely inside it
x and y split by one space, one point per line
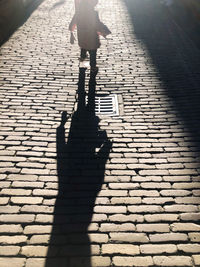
80 168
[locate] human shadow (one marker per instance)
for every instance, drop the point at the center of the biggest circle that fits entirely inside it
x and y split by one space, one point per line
175 58
80 169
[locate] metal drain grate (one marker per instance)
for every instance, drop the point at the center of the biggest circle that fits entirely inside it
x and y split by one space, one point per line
106 105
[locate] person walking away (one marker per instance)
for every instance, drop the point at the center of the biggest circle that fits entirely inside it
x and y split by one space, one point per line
89 27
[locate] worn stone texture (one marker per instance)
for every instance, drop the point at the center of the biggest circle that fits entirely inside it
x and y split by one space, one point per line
107 190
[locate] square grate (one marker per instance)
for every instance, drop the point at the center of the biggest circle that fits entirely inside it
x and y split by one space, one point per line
106 105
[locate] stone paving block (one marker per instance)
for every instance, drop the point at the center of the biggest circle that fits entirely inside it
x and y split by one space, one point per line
158 249
152 185
9 250
26 200
44 192
9 209
150 193
125 200
189 248
129 237
28 184
10 170
38 229
172 261
181 208
185 227
186 185
20 177
43 218
11 240
39 239
175 193
126 249
133 261
159 227
12 262
196 193
36 209
98 238
35 251
161 217
11 228
16 192
110 209
169 237
111 193
196 259
190 216
194 237
112 227
5 184
99 218
157 200
38 262
123 185
126 218
28 171
17 218
4 200
145 209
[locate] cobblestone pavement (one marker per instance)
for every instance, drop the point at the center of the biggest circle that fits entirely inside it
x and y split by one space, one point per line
107 191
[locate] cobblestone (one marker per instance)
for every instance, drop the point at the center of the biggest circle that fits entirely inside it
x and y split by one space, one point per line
6 240
158 249
168 237
126 249
111 227
196 259
132 261
9 250
194 237
163 228
129 237
185 227
107 190
172 261
12 262
34 251
26 200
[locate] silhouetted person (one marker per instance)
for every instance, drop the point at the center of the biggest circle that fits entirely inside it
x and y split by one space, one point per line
89 27
81 174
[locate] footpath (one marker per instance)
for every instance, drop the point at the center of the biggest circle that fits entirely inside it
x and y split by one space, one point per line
84 189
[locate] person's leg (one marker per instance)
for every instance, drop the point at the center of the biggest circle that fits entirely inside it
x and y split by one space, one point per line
83 54
93 54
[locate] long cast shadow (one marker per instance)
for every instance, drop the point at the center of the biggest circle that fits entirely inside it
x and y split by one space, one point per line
175 57
80 168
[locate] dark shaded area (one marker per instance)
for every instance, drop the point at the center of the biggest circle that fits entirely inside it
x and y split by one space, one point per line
13 14
80 169
175 57
187 16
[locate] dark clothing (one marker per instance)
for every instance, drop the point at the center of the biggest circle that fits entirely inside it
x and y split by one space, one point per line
89 27
92 53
